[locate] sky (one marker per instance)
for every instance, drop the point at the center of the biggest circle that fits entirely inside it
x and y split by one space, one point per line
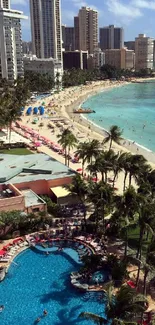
136 16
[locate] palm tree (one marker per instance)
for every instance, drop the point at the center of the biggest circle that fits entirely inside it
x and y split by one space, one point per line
72 141
146 214
80 188
114 134
127 206
105 162
67 139
101 195
136 166
88 151
81 153
118 165
12 99
121 308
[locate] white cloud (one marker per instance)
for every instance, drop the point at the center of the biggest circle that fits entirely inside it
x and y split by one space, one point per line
144 4
126 11
19 2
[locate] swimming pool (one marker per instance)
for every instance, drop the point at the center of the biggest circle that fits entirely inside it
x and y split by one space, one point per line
37 282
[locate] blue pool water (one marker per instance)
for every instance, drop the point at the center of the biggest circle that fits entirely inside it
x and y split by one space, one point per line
41 282
132 107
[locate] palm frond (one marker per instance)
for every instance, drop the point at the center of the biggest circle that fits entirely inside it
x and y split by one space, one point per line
95 318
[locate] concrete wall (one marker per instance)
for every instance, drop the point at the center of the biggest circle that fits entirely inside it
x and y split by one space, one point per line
42 187
16 202
12 203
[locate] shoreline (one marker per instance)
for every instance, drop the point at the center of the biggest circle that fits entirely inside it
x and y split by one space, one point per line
82 121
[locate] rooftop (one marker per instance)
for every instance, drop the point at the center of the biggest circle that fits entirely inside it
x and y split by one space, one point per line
17 169
31 198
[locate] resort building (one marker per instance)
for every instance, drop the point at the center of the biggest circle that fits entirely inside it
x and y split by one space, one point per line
111 37
88 29
46 28
24 178
144 52
11 64
120 58
49 66
68 38
75 59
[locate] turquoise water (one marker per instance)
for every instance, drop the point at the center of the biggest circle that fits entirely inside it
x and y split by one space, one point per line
40 282
132 107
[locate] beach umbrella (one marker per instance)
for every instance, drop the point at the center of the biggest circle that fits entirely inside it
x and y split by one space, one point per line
35 110
79 170
37 144
42 110
43 103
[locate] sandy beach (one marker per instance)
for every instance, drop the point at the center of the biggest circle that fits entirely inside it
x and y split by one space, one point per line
60 107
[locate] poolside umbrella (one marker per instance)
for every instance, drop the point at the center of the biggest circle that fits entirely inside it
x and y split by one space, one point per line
17 240
2 252
7 246
131 284
79 170
94 179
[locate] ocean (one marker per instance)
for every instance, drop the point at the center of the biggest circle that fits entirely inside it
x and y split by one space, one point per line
131 107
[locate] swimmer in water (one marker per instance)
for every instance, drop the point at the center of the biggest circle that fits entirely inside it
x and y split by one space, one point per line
45 312
1 308
38 320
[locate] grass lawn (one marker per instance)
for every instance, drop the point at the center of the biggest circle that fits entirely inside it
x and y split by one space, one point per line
16 151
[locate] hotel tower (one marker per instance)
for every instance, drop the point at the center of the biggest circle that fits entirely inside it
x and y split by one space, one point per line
88 29
11 64
46 28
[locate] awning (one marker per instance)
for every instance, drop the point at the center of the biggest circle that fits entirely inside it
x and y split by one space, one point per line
60 191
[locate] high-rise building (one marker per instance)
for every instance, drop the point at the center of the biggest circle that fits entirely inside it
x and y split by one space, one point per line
68 38
88 29
76 33
46 28
120 58
11 65
5 4
111 37
144 52
130 45
27 47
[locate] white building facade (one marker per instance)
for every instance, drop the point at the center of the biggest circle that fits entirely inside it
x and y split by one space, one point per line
11 66
144 52
46 28
99 58
50 66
